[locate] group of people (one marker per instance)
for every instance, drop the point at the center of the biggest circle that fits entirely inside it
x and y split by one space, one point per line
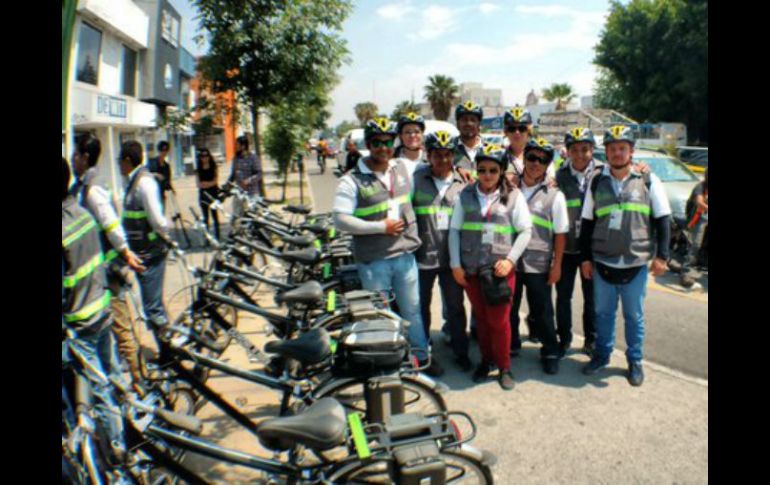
492 222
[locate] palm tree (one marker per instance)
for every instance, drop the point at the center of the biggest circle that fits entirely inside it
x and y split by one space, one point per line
365 111
441 93
403 108
561 93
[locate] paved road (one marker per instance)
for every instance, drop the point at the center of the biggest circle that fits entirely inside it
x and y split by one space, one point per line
676 321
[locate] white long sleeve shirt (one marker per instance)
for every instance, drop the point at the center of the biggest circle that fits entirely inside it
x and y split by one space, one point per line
149 191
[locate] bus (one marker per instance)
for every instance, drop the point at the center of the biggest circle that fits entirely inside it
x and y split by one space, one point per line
660 134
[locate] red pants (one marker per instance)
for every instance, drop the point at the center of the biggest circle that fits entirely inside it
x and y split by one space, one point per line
492 324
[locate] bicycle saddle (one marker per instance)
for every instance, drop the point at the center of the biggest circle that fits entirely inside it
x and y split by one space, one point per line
321 426
308 293
304 256
316 227
309 348
297 209
303 240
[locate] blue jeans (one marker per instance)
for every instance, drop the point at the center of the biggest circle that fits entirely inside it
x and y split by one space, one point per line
399 274
151 288
606 302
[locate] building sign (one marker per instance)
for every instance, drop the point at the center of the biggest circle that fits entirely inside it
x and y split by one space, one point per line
111 106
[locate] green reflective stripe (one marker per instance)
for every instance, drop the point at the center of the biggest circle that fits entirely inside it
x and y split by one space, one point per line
428 210
381 207
627 206
505 229
89 310
333 345
331 301
77 222
332 232
317 243
327 270
573 202
479 226
111 227
111 254
83 271
359 437
134 214
152 236
79 233
539 221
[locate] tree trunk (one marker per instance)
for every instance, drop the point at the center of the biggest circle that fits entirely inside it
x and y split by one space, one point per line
257 144
285 182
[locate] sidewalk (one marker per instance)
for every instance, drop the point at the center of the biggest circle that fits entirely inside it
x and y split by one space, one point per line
567 428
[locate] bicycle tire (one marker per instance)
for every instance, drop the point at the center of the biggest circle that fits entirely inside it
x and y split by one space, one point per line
377 471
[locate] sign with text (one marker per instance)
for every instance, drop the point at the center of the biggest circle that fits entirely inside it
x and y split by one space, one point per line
111 106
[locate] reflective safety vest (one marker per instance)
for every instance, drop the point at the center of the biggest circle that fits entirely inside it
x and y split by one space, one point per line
429 207
372 203
462 160
568 184
139 233
539 253
623 227
473 253
85 295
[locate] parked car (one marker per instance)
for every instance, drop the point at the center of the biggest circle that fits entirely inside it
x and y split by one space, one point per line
696 158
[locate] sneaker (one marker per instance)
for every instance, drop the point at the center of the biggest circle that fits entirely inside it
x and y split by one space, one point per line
505 379
635 374
481 373
534 339
464 363
434 369
595 365
686 280
551 366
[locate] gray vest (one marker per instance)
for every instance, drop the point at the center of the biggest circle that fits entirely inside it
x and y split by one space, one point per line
372 205
434 251
633 239
80 191
474 254
462 160
568 184
86 299
139 233
539 253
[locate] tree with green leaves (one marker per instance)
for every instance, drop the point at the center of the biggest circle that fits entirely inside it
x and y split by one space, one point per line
402 108
653 59
442 93
365 111
267 51
345 127
561 93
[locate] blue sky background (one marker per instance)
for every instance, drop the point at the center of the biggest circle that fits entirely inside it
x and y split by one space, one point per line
515 46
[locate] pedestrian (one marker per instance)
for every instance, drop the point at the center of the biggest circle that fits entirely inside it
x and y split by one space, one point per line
96 200
207 176
373 203
436 188
146 230
246 173
489 231
621 208
517 123
161 170
411 128
352 157
468 117
697 223
86 309
539 267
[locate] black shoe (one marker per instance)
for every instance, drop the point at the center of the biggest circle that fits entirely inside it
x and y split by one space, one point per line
551 366
563 348
635 374
515 351
474 335
464 363
595 365
589 348
434 369
505 379
686 280
482 372
534 339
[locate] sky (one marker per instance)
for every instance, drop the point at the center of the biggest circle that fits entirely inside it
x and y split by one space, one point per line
516 46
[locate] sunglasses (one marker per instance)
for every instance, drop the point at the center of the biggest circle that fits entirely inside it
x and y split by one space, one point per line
534 158
514 128
382 143
490 171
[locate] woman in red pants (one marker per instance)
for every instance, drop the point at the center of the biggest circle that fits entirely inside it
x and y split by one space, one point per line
490 228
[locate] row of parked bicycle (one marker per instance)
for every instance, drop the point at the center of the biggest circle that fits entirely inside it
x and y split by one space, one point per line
354 406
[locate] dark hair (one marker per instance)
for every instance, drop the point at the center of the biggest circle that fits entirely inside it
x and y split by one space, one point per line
162 146
243 141
65 176
212 162
133 151
88 144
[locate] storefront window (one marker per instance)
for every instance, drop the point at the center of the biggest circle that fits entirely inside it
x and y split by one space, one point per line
89 47
129 72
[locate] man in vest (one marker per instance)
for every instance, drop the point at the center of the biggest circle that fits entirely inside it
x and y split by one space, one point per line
574 177
96 200
619 213
468 118
373 203
540 266
436 186
86 307
146 229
